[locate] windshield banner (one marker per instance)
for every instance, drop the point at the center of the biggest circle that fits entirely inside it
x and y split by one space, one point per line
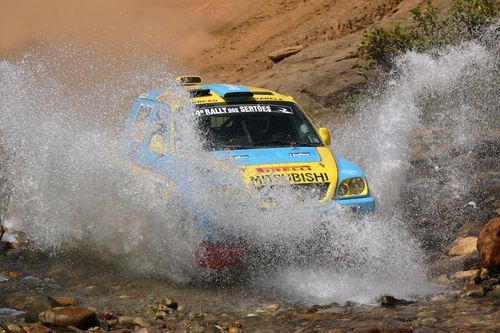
258 108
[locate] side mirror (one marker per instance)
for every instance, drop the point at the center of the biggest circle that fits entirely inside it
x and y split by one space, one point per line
324 134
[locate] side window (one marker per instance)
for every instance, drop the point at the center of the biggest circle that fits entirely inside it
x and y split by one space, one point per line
158 143
140 122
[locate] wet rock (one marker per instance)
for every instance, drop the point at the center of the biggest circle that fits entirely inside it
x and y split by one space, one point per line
488 244
213 329
36 328
366 329
126 321
495 292
283 53
196 316
485 274
142 330
67 300
141 322
160 315
336 330
170 323
273 307
211 319
428 321
235 327
442 280
15 329
464 275
39 304
4 277
168 303
390 301
331 310
463 246
112 322
474 290
450 265
69 316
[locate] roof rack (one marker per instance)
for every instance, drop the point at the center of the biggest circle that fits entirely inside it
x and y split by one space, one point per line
188 80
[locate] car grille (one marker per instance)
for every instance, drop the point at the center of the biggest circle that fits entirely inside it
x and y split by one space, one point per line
301 192
315 191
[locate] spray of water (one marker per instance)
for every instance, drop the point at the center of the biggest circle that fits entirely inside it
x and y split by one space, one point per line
60 134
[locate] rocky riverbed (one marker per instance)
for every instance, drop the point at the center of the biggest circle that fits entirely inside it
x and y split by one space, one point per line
40 293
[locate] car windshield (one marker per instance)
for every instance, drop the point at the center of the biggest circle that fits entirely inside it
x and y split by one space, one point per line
258 125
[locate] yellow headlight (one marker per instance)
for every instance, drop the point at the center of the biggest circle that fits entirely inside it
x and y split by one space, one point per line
352 186
343 190
356 185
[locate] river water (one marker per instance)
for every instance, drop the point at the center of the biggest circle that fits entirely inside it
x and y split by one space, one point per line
101 232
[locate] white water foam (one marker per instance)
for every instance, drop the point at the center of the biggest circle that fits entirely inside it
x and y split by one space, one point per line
454 90
60 130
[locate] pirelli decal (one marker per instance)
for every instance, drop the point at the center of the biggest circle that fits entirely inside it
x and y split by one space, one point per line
292 177
284 168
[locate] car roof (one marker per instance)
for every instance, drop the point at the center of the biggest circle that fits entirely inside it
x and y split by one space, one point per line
222 93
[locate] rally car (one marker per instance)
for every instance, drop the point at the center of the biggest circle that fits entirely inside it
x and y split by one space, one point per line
265 133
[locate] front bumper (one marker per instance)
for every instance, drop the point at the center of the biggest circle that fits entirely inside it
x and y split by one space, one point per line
360 205
218 252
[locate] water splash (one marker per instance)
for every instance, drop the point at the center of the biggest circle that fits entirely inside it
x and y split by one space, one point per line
62 115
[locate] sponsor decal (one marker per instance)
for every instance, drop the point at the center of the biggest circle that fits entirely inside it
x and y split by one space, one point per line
299 154
239 157
284 168
260 108
293 178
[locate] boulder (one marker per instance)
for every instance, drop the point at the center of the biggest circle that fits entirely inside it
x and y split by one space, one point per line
463 246
69 316
283 53
488 245
465 275
39 304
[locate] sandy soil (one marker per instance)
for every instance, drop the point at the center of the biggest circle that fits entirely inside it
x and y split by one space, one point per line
227 39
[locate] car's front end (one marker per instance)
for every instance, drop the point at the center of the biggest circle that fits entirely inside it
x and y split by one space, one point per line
274 144
263 135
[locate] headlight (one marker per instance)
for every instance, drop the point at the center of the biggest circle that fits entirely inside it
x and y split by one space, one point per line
343 189
352 186
356 185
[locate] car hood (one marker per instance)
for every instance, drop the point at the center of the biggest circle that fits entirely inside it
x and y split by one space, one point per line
269 155
285 165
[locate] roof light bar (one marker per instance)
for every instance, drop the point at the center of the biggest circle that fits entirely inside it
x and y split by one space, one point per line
199 92
188 80
238 94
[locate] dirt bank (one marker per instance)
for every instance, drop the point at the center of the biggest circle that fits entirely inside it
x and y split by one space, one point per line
224 41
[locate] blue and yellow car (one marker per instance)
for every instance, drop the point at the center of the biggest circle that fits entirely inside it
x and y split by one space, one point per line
265 133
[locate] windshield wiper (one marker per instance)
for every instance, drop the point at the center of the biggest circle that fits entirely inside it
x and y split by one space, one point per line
289 143
274 141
